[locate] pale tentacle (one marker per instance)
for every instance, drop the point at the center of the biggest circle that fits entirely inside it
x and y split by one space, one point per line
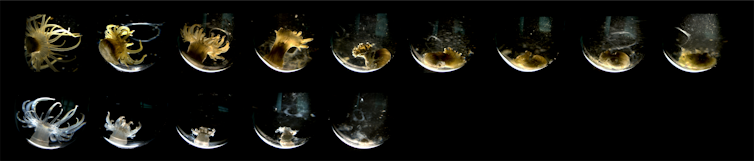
137 50
118 121
32 108
66 49
76 127
20 120
25 108
66 117
134 131
56 116
108 123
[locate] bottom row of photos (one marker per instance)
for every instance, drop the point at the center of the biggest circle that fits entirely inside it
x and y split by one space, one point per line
51 122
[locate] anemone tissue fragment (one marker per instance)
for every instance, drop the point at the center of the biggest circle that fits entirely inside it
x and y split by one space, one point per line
371 58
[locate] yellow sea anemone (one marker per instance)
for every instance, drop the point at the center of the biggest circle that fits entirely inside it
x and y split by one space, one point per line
114 48
284 40
200 46
39 39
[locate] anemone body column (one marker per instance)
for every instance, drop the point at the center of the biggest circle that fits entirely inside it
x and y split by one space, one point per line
41 135
203 134
121 130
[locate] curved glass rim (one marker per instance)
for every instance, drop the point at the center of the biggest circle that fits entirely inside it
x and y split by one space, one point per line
264 138
352 144
44 147
355 69
177 128
197 68
516 67
583 51
682 68
273 68
413 54
128 146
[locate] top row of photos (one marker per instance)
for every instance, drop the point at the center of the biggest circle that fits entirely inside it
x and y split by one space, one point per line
362 43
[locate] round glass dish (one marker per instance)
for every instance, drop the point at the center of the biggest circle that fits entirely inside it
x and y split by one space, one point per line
527 44
205 123
283 41
695 43
288 125
441 43
204 42
123 47
363 43
615 46
363 125
130 122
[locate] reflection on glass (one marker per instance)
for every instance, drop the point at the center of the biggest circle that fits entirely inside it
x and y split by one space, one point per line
208 38
364 44
49 134
616 47
697 43
41 45
364 125
446 48
530 48
284 49
286 127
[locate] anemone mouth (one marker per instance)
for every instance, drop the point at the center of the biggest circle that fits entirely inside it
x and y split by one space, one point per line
31 44
681 66
699 61
615 60
442 60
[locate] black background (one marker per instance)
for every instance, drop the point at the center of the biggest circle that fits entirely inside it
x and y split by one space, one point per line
485 110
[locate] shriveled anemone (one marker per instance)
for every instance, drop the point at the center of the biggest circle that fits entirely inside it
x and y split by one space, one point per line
285 39
446 59
529 61
200 46
114 48
39 43
202 135
616 60
696 59
371 58
287 136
